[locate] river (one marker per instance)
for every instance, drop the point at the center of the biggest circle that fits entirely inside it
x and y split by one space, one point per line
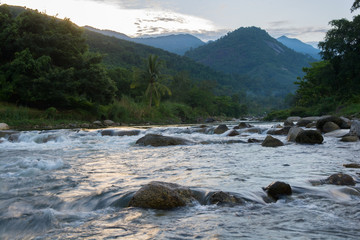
76 184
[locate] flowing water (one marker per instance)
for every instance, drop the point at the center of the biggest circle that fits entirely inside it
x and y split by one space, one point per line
76 184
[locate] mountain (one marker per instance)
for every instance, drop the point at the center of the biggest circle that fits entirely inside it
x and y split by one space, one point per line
179 43
272 67
299 46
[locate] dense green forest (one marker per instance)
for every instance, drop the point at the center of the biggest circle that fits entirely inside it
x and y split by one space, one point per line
332 85
271 67
46 63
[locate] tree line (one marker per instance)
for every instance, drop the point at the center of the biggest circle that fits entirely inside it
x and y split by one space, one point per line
45 62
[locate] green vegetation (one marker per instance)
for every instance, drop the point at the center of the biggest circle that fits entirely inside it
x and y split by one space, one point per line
265 66
332 86
49 74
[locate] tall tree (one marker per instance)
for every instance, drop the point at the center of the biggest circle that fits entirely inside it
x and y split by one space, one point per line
356 5
152 76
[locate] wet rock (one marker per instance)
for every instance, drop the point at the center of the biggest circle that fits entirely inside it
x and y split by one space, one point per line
254 140
293 132
14 137
322 121
303 122
281 131
162 195
243 125
340 179
111 132
221 129
85 125
311 125
346 123
330 127
272 142
159 140
352 165
288 123
7 133
278 189
254 130
4 126
309 137
350 139
223 198
233 133
355 128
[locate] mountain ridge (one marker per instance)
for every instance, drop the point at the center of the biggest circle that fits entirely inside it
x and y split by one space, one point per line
174 43
299 46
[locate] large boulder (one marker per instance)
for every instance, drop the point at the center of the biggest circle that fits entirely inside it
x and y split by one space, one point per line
4 126
322 121
309 137
156 140
340 179
272 142
162 195
278 189
221 129
223 198
330 127
355 128
293 132
303 122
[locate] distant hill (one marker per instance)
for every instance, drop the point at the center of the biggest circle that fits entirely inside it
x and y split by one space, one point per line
179 43
251 51
299 46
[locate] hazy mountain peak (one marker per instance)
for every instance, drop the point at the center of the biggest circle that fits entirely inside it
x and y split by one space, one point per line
299 46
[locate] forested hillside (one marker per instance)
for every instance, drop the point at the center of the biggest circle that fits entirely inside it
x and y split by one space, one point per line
252 52
47 63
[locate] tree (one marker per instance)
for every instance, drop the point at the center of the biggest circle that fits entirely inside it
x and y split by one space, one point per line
356 5
152 76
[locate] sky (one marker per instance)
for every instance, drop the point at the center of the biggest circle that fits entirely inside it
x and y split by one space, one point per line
307 20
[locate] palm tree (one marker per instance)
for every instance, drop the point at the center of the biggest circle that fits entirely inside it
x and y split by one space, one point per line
152 76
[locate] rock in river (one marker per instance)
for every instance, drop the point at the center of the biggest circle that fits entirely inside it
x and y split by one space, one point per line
355 128
162 195
223 198
293 132
309 137
4 126
340 179
156 140
277 189
272 142
221 129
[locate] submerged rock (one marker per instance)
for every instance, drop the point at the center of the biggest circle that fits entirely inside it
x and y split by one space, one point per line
254 140
162 195
156 140
110 132
278 189
340 179
221 129
223 198
233 133
272 142
309 137
350 139
352 165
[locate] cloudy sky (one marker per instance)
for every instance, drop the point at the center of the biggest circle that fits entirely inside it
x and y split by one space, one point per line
306 20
